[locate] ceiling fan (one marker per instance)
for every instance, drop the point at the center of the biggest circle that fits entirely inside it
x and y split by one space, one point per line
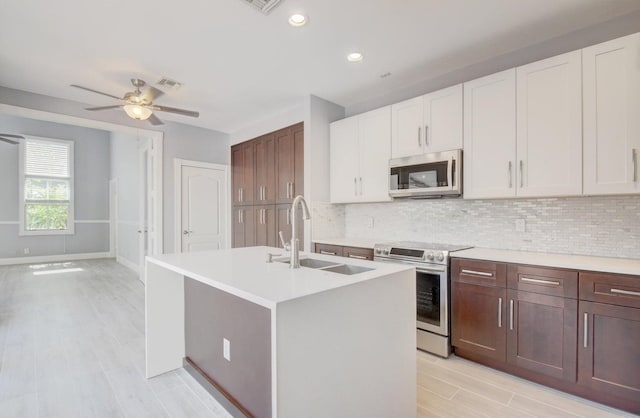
10 138
139 104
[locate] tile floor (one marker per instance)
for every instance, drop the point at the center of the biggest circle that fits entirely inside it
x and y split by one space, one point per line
72 345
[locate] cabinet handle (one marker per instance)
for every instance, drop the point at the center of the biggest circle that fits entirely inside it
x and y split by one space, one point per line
586 330
450 173
359 257
521 174
510 175
419 136
540 281
499 312
360 186
634 158
355 186
240 216
511 314
288 216
240 195
477 273
327 252
292 190
624 292
426 135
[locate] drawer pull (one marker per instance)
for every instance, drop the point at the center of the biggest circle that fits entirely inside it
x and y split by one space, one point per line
511 314
327 252
625 292
359 257
540 281
499 312
477 273
586 330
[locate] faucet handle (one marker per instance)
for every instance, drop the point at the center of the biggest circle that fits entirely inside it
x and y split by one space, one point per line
287 247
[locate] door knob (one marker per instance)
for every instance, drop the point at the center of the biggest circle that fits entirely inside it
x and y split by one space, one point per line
185 232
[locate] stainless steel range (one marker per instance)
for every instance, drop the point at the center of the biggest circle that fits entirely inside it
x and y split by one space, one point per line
432 288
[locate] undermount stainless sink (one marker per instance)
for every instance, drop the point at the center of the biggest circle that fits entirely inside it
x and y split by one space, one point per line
347 269
331 266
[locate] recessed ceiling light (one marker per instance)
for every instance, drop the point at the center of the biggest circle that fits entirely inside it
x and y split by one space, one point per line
355 57
296 20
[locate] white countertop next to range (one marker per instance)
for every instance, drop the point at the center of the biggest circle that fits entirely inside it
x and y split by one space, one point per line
350 242
569 261
245 273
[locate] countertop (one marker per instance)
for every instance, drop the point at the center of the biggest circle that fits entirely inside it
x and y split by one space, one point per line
245 273
350 242
578 262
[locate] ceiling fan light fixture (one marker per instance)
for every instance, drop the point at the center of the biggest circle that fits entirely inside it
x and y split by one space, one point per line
297 20
137 112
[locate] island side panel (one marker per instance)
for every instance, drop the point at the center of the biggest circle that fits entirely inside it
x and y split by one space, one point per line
212 315
349 352
164 319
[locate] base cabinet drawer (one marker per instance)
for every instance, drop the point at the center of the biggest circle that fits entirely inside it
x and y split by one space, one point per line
616 289
328 249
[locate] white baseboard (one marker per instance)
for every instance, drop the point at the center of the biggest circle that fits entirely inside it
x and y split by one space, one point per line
52 258
128 263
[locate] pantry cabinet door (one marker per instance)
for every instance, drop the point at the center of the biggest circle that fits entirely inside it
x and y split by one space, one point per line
407 134
374 132
549 127
490 136
343 161
611 87
443 119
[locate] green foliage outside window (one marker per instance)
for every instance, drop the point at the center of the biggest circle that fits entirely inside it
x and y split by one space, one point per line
43 217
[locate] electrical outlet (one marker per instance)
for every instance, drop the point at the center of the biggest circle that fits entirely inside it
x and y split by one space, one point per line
370 222
26 251
521 225
226 349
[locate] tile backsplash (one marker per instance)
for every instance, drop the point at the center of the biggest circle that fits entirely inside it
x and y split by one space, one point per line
602 226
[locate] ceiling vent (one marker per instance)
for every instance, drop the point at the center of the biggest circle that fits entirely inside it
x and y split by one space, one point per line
169 83
264 6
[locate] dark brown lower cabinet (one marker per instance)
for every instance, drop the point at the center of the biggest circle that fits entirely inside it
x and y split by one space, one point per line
479 319
609 350
244 233
265 224
283 223
541 333
359 253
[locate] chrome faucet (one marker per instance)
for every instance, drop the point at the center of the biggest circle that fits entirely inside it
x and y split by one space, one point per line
294 246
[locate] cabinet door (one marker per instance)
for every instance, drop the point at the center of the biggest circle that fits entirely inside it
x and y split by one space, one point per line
283 223
549 127
265 172
608 351
490 136
407 132
611 82
297 186
343 161
243 226
443 119
479 321
265 222
248 172
358 253
374 133
542 333
237 171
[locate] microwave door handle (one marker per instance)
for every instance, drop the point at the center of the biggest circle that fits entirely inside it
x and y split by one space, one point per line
450 173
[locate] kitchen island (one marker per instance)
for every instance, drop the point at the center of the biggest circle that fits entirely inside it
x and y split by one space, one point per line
281 342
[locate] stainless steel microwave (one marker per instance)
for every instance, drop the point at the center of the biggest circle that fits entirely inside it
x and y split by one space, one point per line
427 175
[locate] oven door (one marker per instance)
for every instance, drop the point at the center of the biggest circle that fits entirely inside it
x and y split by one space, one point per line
432 299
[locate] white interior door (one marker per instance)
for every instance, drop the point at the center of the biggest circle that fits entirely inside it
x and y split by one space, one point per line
203 208
143 205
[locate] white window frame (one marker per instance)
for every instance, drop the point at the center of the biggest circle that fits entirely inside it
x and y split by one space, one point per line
21 205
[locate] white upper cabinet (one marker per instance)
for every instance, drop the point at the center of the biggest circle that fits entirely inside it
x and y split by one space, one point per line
360 148
611 88
490 136
549 126
430 123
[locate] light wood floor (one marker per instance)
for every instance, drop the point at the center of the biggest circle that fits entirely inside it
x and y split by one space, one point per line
72 345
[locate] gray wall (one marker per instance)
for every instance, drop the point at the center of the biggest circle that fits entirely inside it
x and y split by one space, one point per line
180 141
91 169
124 169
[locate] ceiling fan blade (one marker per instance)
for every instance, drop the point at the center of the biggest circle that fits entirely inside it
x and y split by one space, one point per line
103 107
8 140
96 91
12 136
154 120
152 93
183 112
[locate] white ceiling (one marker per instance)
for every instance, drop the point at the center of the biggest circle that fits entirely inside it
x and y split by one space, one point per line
239 66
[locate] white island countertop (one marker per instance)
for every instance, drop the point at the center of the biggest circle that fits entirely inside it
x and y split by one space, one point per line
245 273
568 261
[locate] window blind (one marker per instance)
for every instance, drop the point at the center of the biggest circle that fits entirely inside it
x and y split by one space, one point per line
47 159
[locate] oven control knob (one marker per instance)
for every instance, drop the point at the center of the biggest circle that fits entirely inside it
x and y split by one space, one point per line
378 251
430 256
440 256
385 251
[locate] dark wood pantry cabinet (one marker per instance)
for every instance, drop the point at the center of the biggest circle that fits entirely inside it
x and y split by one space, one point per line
267 173
572 330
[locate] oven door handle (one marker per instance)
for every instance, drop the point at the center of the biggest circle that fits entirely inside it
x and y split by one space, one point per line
422 269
